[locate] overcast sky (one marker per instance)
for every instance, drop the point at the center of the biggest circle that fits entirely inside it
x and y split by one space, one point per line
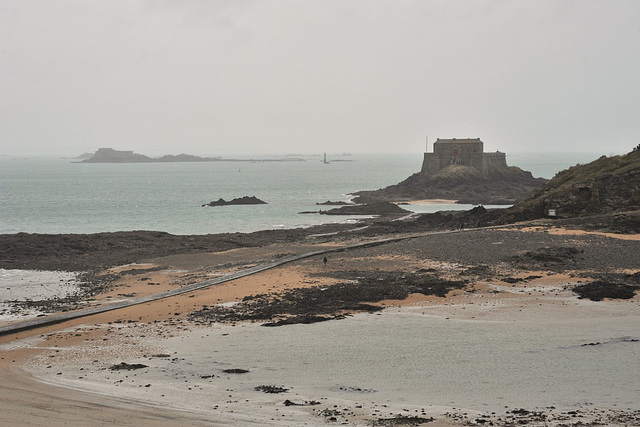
239 77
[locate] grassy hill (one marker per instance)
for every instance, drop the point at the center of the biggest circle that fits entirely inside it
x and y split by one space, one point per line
606 185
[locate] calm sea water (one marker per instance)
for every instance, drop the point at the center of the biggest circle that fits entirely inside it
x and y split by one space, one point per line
51 195
420 360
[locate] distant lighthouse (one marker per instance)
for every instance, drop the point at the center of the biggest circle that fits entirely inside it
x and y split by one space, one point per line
325 159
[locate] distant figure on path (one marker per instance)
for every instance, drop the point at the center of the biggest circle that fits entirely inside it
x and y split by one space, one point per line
324 260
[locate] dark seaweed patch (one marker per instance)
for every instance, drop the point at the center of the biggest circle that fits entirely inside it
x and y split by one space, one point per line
599 290
321 303
271 389
547 256
235 371
124 366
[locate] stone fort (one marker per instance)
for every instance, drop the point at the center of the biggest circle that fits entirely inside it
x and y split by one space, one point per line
466 152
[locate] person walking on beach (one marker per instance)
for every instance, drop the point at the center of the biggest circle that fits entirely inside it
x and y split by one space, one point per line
324 260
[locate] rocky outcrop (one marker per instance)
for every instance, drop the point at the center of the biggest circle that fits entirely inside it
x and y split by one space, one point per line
500 186
376 208
606 185
246 200
109 155
330 203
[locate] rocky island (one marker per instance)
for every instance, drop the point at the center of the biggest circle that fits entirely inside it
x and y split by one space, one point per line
459 169
109 155
384 209
246 200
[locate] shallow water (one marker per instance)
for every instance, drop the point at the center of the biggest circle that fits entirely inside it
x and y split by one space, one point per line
421 360
33 285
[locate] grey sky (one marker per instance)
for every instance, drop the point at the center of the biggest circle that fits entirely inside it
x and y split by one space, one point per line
220 77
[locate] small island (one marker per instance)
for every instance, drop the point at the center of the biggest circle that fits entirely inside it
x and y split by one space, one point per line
246 200
460 169
384 209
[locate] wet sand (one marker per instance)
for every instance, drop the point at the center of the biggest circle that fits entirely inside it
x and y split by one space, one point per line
77 355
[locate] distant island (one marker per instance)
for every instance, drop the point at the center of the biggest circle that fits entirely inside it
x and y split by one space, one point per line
246 200
109 155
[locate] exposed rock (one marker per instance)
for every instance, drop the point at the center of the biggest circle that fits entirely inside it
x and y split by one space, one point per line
598 290
109 155
316 304
443 220
402 420
81 252
330 203
124 366
305 403
271 389
375 208
547 256
304 319
246 200
465 184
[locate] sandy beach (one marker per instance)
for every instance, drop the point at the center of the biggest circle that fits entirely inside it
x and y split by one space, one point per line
464 328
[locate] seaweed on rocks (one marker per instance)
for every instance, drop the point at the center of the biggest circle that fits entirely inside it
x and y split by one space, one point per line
512 279
85 252
305 403
124 366
599 290
402 420
304 319
235 371
480 270
547 256
380 285
271 389
51 305
320 303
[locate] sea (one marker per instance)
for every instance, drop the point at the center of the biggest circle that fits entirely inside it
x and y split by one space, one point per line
61 195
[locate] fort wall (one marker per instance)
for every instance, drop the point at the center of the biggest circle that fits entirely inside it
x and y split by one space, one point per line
464 152
495 160
430 164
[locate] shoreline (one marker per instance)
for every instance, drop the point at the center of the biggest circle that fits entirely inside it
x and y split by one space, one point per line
80 373
500 290
176 382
